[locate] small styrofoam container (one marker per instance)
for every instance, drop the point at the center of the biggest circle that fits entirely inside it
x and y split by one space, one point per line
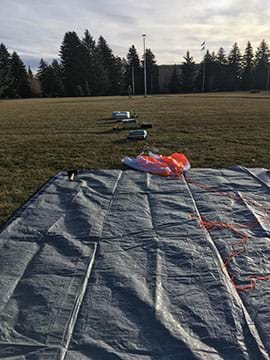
120 115
137 134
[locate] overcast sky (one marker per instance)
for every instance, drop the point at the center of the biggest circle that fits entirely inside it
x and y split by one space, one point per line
35 28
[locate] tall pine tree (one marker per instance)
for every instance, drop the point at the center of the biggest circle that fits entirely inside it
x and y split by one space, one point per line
74 57
111 68
221 72
116 76
92 64
6 89
134 70
248 68
57 73
188 73
152 72
235 70
44 80
262 65
50 77
20 80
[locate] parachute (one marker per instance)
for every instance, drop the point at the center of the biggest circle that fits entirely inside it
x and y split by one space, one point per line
170 166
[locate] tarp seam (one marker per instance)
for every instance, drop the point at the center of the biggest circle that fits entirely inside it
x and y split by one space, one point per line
74 315
111 202
69 328
233 291
260 181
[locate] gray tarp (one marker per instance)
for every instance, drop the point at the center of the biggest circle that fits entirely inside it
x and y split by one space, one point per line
116 266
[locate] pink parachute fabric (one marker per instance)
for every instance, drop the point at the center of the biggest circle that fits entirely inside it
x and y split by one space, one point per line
169 166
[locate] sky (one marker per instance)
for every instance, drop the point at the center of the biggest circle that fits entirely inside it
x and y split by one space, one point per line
35 28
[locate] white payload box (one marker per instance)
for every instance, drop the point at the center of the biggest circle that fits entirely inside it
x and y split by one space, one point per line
120 115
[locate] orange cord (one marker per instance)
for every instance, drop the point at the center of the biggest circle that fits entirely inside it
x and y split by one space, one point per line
239 247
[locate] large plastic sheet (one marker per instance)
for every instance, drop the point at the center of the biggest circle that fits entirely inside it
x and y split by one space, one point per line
118 266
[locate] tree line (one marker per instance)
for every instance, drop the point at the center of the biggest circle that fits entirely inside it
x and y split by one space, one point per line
14 78
87 67
218 72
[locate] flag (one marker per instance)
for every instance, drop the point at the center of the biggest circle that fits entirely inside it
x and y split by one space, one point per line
202 46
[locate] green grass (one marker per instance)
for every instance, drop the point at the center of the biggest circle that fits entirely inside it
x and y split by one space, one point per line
43 136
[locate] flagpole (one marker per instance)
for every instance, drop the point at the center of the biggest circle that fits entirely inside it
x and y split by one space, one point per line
203 82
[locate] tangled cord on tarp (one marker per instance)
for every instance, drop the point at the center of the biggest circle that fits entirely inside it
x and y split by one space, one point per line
173 167
238 247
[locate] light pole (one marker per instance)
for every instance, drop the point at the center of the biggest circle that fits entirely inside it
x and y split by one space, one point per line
144 66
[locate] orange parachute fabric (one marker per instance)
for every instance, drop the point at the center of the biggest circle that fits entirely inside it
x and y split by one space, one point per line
169 166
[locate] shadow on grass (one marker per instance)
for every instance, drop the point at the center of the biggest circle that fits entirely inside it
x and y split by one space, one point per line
127 141
106 121
104 132
123 141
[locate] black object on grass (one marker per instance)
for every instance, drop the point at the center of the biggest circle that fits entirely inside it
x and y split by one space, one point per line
146 126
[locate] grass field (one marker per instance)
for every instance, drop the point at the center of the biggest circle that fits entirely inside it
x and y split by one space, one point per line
43 136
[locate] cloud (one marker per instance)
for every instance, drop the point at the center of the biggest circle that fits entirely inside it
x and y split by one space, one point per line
35 29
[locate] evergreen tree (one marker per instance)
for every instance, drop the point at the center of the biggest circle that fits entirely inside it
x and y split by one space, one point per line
124 86
50 77
74 57
152 72
105 60
112 68
57 75
221 57
174 85
30 73
5 73
19 77
248 68
213 73
44 80
133 68
235 61
221 71
188 73
42 68
116 76
92 65
90 44
262 65
31 80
